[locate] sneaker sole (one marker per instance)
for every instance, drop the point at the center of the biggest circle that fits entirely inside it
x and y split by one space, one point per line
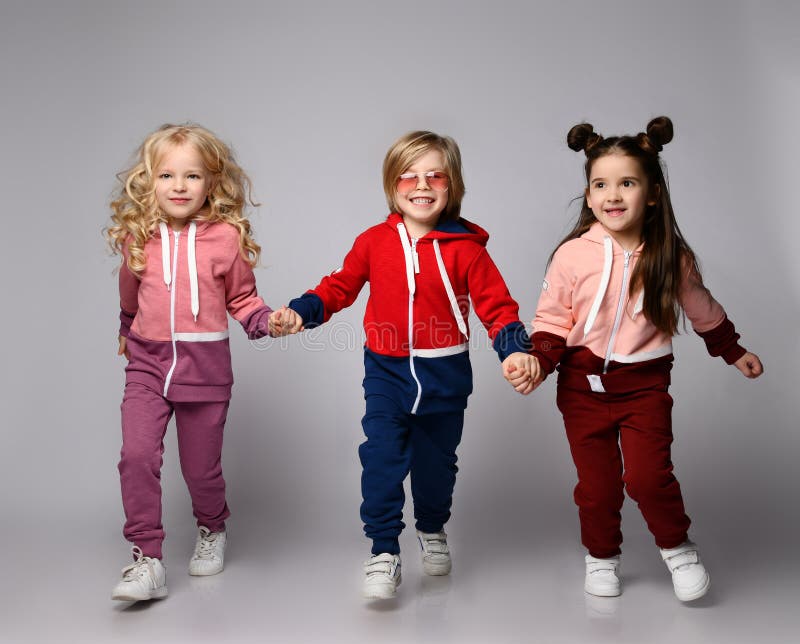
382 591
697 593
436 570
603 592
158 593
205 573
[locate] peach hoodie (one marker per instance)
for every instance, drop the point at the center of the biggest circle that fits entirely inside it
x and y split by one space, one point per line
586 321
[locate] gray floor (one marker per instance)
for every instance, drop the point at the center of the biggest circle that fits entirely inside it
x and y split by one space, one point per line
505 587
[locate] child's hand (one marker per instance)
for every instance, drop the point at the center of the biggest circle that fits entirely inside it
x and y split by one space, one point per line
750 365
123 348
284 321
523 372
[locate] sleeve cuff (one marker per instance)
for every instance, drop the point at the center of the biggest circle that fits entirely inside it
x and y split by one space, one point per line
512 338
309 306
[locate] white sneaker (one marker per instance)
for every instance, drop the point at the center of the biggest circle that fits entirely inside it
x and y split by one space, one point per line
689 576
435 553
209 553
602 579
145 578
383 576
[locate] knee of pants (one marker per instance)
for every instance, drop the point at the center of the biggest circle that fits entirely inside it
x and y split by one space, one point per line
133 459
591 497
644 485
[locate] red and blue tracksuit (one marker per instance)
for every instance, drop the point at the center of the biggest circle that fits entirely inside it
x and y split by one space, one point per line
416 361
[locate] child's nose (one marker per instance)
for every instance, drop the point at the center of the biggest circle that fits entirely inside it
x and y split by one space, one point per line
422 182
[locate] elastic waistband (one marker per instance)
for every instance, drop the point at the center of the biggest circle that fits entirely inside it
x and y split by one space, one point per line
616 382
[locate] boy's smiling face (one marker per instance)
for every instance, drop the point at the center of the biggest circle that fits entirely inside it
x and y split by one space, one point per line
422 206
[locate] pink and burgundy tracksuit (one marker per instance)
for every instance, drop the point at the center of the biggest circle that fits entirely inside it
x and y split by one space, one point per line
614 374
416 360
175 319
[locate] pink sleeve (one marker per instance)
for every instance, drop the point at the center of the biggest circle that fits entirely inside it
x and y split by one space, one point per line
554 310
128 295
241 297
708 318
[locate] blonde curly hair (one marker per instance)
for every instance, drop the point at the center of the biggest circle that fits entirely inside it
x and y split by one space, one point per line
135 213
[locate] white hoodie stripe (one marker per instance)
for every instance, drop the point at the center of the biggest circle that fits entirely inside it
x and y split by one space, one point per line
406 244
608 253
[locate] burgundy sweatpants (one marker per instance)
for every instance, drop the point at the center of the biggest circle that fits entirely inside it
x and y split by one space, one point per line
145 414
623 441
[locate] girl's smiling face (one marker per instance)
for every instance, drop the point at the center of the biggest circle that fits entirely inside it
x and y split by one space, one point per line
422 205
182 184
618 195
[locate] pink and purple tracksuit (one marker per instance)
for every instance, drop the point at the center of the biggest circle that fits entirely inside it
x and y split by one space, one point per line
174 316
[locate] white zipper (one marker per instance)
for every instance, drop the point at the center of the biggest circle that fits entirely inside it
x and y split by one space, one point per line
620 307
415 262
172 290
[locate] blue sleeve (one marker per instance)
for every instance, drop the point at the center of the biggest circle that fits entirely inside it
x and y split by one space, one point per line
510 339
309 307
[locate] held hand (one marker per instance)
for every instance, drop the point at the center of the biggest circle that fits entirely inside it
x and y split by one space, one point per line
284 321
522 371
750 365
123 348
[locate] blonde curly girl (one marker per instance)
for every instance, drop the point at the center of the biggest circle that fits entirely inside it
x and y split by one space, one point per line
136 214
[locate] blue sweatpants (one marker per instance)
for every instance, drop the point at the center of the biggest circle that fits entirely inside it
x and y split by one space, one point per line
398 443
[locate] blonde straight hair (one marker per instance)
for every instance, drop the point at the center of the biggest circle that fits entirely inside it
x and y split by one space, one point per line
410 147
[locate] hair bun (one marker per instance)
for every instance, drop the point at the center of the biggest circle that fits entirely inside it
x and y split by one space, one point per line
582 137
659 132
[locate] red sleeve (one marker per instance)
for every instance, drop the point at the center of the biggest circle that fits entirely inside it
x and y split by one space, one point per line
340 289
493 304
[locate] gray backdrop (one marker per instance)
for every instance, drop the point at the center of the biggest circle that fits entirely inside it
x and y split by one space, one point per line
311 94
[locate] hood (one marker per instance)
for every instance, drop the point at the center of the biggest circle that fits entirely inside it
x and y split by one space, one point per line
598 234
448 230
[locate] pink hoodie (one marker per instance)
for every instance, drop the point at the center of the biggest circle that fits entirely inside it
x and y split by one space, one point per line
176 315
586 320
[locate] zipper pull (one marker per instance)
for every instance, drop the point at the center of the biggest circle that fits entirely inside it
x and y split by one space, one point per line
628 254
414 255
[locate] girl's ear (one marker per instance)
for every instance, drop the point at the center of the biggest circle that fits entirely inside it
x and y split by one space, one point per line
586 195
655 195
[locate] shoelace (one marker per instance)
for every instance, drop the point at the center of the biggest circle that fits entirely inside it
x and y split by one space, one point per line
205 549
142 567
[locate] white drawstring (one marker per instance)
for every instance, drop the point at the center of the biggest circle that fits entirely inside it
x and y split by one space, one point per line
192 259
406 243
601 290
165 253
448 287
639 305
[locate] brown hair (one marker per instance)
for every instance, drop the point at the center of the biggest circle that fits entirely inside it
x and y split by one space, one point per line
410 147
666 254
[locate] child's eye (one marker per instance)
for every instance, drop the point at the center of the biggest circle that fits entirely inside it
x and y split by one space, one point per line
164 175
627 183
599 184
195 176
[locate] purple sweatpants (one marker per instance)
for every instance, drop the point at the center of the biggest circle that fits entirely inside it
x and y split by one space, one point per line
145 414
